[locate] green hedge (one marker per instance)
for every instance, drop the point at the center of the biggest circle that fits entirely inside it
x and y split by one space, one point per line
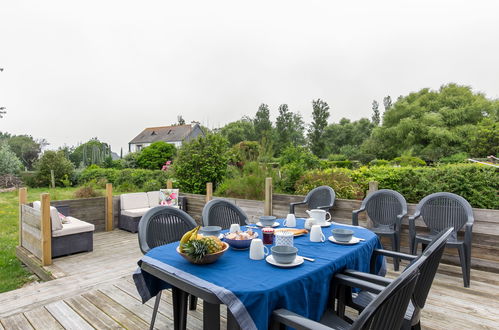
128 178
478 184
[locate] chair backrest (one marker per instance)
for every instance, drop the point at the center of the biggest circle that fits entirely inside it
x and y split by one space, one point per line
442 210
387 310
383 206
162 225
320 197
219 212
428 268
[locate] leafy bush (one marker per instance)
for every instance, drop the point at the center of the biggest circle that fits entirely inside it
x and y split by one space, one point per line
379 162
300 155
200 161
460 157
154 156
478 184
350 164
137 177
9 163
87 192
152 184
408 161
338 179
56 161
127 187
335 157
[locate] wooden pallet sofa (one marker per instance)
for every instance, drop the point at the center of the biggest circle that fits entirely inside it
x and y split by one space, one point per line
69 235
134 205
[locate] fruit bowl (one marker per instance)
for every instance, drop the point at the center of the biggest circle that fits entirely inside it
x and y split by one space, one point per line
207 259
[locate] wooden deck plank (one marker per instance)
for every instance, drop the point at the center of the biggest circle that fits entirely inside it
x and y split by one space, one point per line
41 319
143 311
67 317
119 313
17 321
94 316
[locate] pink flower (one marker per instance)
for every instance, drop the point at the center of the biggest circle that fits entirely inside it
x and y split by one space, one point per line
173 195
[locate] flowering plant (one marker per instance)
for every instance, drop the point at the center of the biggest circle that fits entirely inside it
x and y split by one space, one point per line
168 197
166 166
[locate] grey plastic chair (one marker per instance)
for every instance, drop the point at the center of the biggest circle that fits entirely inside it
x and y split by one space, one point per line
428 265
159 226
386 208
219 212
322 197
386 311
441 210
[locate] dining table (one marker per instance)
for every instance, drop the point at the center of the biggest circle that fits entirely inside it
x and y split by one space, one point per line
252 289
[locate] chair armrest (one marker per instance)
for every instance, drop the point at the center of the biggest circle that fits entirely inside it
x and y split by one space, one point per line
355 215
295 321
380 280
340 279
468 233
292 206
400 255
412 224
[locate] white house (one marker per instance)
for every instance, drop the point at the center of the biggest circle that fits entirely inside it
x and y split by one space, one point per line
170 134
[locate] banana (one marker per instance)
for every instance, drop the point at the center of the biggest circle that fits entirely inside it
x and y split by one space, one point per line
194 234
186 237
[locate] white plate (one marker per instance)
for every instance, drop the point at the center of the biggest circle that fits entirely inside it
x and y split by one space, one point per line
353 241
298 261
276 224
326 224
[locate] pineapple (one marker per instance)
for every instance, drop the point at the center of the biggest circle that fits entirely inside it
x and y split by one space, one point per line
196 249
213 243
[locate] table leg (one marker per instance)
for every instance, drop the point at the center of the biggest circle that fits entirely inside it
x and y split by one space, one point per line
211 316
179 300
231 322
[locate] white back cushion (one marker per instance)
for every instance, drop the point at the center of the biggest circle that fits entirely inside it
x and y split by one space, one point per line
54 218
134 201
153 197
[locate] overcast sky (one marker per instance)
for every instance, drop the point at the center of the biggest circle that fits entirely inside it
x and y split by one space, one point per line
76 70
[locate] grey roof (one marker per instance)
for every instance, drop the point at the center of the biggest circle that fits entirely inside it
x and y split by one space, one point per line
163 133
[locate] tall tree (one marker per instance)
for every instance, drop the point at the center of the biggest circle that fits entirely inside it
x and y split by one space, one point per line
387 102
320 115
375 117
262 123
237 131
26 148
289 129
180 120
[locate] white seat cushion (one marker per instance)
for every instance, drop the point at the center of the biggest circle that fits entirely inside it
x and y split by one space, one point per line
135 212
153 197
76 226
55 219
134 201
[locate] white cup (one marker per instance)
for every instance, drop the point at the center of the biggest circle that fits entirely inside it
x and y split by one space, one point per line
284 238
321 217
290 220
308 223
316 234
257 250
235 227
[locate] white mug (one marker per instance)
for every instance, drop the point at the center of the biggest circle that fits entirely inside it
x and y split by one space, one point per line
235 227
257 250
308 223
290 220
284 238
316 234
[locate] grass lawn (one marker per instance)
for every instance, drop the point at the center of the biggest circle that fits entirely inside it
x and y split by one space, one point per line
12 274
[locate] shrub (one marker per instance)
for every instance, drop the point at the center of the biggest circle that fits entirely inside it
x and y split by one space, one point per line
154 156
300 155
56 161
460 157
137 177
87 192
152 184
9 163
408 161
350 164
338 179
336 157
478 184
379 162
200 161
127 187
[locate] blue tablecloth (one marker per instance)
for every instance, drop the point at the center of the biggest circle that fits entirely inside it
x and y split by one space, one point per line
252 289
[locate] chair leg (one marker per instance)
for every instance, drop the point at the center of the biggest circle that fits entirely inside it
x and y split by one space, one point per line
155 310
395 247
464 265
193 302
414 246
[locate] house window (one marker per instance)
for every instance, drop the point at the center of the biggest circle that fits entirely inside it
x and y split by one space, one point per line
138 147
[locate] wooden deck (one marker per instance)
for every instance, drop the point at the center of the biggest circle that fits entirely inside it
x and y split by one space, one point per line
95 290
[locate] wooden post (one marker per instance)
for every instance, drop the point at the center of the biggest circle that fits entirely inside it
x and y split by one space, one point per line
267 209
52 179
373 186
169 184
23 199
109 206
209 191
46 230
